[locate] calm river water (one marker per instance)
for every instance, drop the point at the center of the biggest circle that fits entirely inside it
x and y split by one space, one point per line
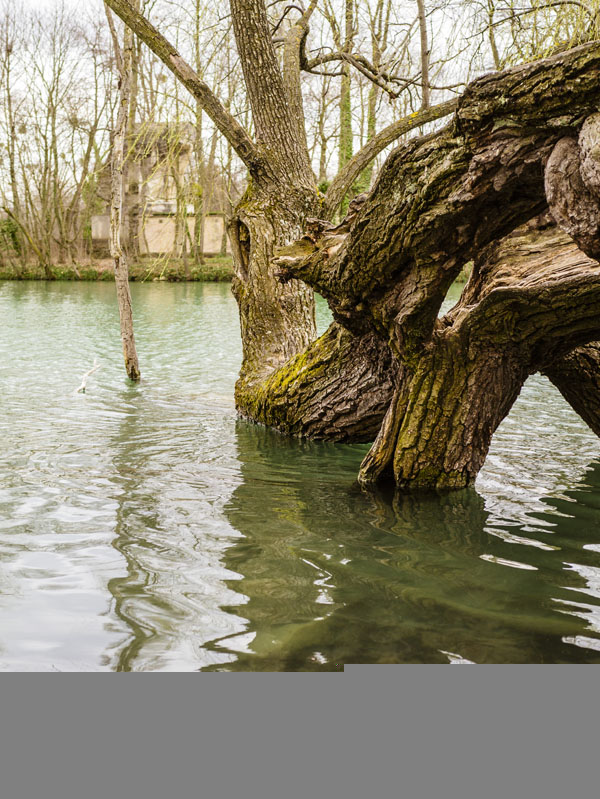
146 528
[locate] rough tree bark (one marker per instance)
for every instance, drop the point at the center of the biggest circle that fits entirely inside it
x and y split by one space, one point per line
439 202
277 320
435 390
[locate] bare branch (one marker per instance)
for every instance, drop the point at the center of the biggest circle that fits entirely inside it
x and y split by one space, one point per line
115 38
346 177
225 122
91 371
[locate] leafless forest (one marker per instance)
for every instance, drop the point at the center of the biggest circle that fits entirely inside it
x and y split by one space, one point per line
366 64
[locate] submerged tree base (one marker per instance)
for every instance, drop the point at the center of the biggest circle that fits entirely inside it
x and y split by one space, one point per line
437 389
430 391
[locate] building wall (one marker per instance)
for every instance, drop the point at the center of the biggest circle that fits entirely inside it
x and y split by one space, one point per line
100 229
157 233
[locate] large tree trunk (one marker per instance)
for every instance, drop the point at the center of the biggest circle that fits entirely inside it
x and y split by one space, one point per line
439 202
437 389
277 321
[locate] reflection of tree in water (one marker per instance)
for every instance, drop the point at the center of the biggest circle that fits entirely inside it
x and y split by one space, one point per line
331 576
166 532
130 464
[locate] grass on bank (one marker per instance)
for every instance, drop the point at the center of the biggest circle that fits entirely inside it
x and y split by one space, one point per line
215 268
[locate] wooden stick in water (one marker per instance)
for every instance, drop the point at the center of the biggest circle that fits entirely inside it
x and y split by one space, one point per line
85 377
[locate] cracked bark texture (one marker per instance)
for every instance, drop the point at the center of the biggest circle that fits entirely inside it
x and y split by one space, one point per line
577 377
534 295
430 392
532 299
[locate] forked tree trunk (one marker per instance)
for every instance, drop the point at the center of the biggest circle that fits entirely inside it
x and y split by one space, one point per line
534 298
436 388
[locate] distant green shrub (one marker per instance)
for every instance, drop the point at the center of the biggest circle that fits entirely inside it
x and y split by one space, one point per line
9 236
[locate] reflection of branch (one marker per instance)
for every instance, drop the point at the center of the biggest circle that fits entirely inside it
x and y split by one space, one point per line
85 377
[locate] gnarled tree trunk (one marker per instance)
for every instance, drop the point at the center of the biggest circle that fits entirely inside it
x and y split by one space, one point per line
434 389
277 321
439 202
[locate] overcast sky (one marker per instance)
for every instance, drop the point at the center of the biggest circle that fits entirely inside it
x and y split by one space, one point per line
50 3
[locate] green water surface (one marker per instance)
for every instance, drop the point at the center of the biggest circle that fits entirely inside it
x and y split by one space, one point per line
143 527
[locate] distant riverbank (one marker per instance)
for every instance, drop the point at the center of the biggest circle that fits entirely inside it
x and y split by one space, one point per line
214 269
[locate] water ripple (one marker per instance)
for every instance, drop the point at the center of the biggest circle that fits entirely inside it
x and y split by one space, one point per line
145 528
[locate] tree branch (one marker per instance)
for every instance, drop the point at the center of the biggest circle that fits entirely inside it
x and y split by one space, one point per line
360 63
572 190
577 377
224 121
544 316
440 200
91 371
533 292
114 37
342 182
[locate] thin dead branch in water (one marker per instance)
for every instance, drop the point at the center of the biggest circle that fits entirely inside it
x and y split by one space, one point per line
85 377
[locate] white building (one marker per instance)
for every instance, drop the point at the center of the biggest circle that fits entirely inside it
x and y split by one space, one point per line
159 173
